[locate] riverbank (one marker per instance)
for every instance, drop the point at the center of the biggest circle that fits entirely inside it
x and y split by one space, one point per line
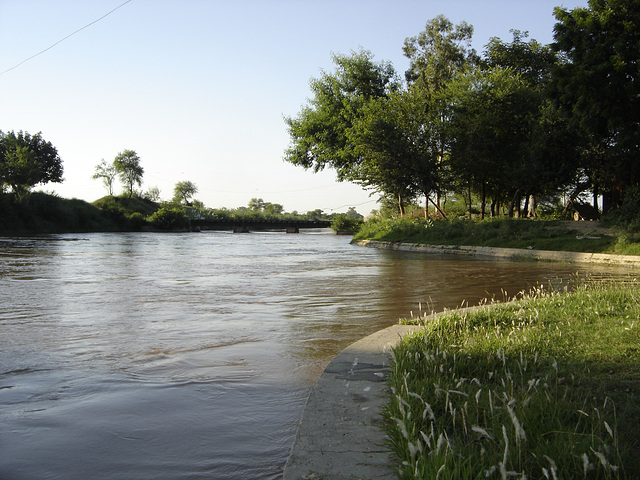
510 253
548 355
524 234
351 420
547 386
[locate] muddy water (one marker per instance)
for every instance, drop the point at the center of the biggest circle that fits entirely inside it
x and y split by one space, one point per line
182 356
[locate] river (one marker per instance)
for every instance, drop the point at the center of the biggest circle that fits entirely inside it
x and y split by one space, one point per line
190 356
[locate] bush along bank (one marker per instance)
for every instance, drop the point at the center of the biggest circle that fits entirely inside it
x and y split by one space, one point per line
547 386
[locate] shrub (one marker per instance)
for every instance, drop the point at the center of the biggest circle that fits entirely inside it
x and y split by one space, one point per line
170 217
342 223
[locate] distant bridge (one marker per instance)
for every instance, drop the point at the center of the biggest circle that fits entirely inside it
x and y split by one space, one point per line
246 225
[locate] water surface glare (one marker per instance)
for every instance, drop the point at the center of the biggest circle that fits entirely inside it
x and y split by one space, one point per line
175 356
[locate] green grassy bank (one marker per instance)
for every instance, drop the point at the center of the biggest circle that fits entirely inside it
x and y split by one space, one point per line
544 387
509 233
42 213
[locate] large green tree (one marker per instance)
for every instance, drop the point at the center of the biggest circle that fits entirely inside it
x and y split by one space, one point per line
27 160
437 55
183 191
397 139
127 164
320 132
599 85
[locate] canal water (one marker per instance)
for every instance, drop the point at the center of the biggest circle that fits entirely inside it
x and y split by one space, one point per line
190 356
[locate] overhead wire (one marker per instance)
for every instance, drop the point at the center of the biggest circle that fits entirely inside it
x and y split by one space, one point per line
63 39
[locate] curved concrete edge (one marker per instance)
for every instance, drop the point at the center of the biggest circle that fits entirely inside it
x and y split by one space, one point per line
513 253
339 436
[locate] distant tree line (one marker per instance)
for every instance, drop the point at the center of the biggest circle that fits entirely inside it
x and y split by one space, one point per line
519 123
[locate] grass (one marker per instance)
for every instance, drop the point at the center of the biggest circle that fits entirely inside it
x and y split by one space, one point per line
44 213
510 233
546 386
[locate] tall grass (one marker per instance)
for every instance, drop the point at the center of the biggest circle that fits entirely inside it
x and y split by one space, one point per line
547 387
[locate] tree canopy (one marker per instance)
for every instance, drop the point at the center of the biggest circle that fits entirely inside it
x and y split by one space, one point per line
184 191
320 133
127 164
107 172
598 83
521 121
27 160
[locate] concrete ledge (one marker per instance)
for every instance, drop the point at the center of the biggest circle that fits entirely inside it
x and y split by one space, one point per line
513 253
339 436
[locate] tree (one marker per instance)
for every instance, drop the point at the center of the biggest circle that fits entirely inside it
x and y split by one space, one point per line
153 194
438 53
107 172
319 134
27 160
256 204
127 164
531 60
599 85
266 208
398 142
184 191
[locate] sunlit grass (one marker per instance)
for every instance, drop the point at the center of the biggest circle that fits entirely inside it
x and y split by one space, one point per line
546 386
508 233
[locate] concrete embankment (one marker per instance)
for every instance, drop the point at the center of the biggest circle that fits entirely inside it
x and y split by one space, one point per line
340 435
512 253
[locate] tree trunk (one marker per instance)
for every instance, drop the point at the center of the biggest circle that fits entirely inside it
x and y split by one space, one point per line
426 207
438 209
401 205
483 203
531 211
516 197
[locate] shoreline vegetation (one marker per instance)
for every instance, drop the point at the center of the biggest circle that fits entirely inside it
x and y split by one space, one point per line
556 235
545 386
42 213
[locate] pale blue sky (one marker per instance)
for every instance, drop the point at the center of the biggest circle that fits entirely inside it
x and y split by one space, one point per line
199 88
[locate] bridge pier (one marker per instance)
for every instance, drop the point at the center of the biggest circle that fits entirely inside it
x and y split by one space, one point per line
241 229
293 230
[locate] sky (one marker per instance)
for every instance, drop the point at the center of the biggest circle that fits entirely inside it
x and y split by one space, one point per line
199 89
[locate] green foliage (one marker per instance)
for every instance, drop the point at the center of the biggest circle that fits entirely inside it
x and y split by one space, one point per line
170 217
184 191
107 172
43 213
343 223
127 205
393 229
319 134
27 160
127 213
127 165
509 233
627 216
597 84
532 387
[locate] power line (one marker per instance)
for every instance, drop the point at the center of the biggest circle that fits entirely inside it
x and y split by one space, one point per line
63 39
